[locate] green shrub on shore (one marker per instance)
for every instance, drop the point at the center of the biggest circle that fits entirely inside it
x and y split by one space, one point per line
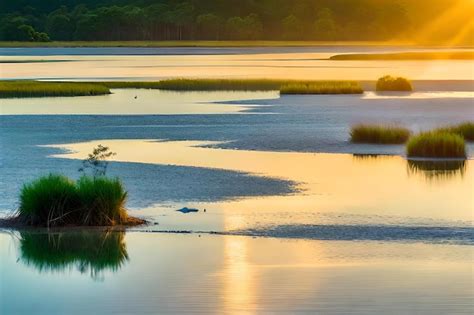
465 130
378 134
389 83
12 89
285 86
322 87
436 144
55 200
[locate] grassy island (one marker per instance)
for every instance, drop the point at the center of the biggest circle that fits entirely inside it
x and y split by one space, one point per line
436 144
284 86
378 134
13 89
389 83
56 200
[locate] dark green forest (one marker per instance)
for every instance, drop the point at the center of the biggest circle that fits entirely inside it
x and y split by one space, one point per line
65 20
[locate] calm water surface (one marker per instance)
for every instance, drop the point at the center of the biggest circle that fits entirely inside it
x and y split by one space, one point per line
297 220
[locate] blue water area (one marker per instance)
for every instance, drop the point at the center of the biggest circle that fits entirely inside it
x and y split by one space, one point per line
290 123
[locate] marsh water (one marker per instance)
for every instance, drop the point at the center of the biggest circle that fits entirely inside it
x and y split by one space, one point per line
297 219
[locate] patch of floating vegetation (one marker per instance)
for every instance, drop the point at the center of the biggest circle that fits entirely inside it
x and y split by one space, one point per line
89 251
434 169
16 89
378 134
55 200
436 144
465 130
444 55
284 86
393 84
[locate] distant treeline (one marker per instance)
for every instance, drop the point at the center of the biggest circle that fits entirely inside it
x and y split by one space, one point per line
64 20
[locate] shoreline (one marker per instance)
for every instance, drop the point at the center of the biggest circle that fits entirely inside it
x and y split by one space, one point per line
211 44
11 223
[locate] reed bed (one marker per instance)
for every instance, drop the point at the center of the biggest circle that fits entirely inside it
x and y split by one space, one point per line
17 89
56 200
378 134
284 86
322 87
436 144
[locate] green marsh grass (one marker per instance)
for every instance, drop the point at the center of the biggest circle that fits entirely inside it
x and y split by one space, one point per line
285 86
88 251
465 130
449 55
436 144
14 89
389 83
379 134
322 87
56 200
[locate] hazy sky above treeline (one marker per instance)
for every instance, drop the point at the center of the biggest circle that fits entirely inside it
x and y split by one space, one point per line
447 21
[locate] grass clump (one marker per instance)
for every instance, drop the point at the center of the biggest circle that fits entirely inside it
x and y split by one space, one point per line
436 144
56 200
389 83
378 134
465 130
322 87
13 89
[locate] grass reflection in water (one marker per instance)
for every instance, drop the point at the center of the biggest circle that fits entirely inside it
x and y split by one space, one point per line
434 170
89 252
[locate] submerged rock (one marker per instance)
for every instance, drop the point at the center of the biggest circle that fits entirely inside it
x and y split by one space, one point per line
187 210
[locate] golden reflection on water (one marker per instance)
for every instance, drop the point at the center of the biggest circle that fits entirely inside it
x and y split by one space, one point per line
328 182
284 65
239 287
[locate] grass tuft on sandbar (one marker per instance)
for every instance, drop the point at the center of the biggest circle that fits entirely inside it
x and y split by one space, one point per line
55 200
389 83
378 134
17 89
436 144
465 130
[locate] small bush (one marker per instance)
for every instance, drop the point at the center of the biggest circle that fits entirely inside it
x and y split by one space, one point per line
55 200
436 144
465 130
379 134
389 83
